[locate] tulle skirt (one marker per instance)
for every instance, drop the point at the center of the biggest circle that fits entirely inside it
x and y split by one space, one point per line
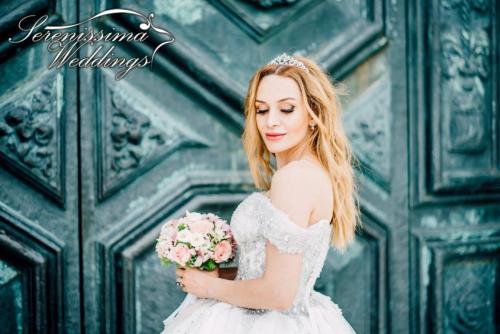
208 316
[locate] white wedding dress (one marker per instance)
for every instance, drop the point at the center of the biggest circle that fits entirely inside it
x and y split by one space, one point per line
254 222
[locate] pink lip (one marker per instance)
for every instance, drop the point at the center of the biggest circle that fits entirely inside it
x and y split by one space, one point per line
274 136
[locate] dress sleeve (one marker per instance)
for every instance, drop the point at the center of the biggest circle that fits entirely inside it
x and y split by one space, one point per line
282 232
277 231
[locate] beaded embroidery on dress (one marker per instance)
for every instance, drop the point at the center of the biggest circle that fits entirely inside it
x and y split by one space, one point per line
254 222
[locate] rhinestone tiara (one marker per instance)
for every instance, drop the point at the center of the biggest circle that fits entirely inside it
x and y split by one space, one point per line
284 59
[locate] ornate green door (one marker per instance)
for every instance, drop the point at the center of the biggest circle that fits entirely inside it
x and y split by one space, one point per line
455 166
91 166
40 269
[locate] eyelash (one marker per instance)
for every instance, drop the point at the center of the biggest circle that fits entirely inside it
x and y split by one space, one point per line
284 110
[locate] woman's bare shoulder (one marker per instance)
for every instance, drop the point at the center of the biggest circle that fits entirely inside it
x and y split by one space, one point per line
322 191
301 179
291 192
297 172
307 182
312 172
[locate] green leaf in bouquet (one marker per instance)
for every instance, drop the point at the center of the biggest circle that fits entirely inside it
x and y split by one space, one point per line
165 262
181 227
191 261
209 265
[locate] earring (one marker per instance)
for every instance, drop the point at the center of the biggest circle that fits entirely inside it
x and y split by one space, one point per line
312 126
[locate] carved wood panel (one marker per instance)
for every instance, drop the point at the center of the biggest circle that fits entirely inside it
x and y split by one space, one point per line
455 185
39 194
90 167
168 140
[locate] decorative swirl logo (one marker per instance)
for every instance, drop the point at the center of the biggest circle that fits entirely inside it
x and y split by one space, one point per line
67 44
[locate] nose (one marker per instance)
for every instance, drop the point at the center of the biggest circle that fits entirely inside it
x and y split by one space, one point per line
272 118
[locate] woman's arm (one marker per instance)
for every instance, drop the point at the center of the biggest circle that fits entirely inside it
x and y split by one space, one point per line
276 289
253 293
292 194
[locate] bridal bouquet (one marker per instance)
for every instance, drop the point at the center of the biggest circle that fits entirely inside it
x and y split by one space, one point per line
196 240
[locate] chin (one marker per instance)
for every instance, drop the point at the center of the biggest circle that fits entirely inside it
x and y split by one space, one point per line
275 150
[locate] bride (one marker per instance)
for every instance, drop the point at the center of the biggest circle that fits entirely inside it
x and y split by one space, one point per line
293 113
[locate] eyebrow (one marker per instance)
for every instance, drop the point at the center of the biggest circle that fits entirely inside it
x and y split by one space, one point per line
286 98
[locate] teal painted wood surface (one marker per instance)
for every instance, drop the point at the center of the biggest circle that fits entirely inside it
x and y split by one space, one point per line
90 167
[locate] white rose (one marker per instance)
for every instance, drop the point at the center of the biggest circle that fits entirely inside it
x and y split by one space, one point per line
197 239
184 236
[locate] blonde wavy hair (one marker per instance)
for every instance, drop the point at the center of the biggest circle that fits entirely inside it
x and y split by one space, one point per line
327 141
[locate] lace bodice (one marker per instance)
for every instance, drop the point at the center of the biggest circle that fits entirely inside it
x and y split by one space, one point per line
255 221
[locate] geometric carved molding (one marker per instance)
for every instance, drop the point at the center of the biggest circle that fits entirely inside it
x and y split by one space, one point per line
31 134
127 258
127 261
459 283
272 3
367 125
12 12
357 279
11 299
338 45
273 17
135 135
463 99
469 292
34 262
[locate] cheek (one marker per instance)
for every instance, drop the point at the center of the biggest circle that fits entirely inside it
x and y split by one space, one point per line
259 121
297 125
261 124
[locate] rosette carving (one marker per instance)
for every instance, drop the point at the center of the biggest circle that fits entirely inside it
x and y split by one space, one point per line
28 141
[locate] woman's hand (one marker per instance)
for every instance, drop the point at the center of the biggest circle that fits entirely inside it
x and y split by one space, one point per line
196 281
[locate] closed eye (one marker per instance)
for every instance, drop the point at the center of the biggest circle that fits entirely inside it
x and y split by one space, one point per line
261 111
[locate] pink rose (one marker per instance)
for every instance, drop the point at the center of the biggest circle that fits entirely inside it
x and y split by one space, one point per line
211 216
203 226
222 251
193 216
174 223
168 232
181 254
162 248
